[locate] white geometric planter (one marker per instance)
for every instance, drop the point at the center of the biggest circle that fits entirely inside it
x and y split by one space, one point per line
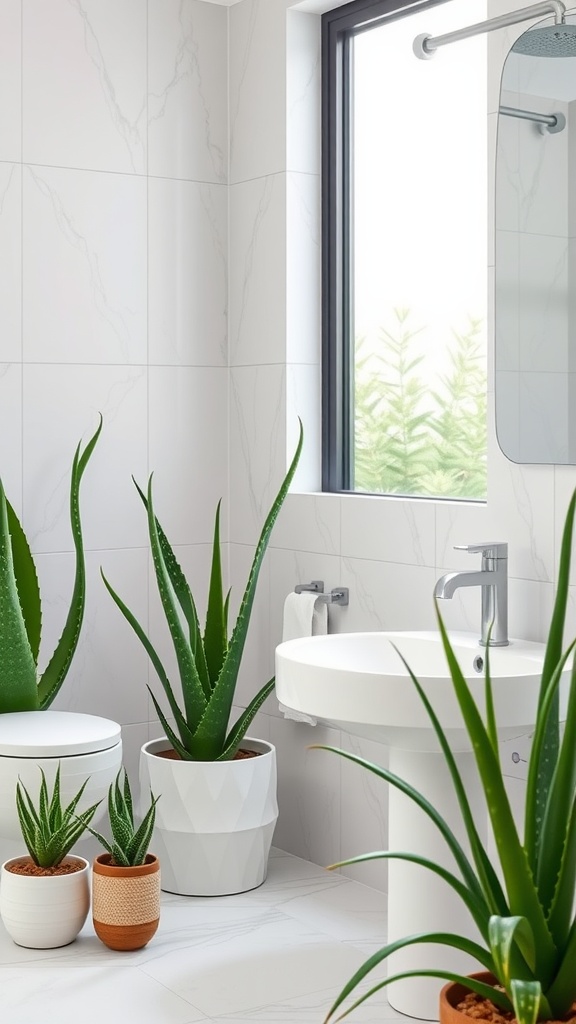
85 746
215 819
41 911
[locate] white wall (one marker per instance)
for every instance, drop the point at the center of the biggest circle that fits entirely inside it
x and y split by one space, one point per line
388 551
113 281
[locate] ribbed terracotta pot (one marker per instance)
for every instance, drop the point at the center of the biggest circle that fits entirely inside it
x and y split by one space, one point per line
125 902
454 993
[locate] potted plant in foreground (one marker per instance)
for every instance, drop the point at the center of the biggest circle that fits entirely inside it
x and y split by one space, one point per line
215 824
126 879
45 897
527 922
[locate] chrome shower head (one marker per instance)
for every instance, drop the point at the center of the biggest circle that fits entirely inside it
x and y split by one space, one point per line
549 41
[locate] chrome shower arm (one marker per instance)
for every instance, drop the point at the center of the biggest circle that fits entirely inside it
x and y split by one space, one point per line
425 46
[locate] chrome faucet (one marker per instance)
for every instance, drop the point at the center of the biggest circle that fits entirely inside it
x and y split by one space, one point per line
493 580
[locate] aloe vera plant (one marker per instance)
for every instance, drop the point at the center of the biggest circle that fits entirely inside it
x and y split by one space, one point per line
50 830
208 662
129 844
527 923
21 688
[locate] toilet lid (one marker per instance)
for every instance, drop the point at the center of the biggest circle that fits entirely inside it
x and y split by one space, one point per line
55 734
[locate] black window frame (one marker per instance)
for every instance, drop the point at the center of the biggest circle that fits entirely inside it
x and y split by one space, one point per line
339 27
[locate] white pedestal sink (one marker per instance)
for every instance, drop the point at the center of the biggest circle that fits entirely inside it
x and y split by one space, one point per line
357 682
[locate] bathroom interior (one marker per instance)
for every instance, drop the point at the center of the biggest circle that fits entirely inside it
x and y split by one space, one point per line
160 246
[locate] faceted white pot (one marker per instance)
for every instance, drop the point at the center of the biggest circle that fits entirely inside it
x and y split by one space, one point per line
85 746
214 820
42 911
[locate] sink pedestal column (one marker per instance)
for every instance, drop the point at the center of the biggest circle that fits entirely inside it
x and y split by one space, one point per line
420 901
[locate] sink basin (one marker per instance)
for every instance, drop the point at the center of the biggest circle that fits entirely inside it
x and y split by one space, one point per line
358 683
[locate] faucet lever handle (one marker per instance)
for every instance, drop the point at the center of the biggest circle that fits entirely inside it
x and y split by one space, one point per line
490 549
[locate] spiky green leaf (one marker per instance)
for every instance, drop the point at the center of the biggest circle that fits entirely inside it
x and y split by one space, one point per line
18 687
26 581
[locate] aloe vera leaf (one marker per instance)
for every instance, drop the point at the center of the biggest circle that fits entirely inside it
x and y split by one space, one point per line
26 581
171 735
460 857
148 647
560 916
55 810
240 728
213 727
442 938
184 597
215 636
140 842
491 727
503 934
562 992
544 768
489 882
484 990
558 807
57 668
527 1001
192 689
479 910
18 689
522 894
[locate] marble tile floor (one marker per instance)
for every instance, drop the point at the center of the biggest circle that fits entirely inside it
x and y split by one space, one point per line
277 955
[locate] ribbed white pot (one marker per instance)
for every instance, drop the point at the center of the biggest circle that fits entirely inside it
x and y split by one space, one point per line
215 819
85 746
42 911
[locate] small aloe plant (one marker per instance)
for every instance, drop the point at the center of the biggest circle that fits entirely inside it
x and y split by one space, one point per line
129 844
49 830
208 663
20 609
527 921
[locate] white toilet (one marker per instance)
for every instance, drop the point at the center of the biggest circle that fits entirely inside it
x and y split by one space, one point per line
85 746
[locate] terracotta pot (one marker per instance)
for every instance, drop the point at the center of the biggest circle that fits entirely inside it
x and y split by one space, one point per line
125 902
44 911
453 993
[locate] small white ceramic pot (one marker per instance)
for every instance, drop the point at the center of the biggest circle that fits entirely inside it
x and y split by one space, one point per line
44 911
215 820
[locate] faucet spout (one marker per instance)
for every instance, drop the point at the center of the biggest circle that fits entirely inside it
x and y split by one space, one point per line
447 585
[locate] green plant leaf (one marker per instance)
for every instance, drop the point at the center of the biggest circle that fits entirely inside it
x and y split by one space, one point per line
178 745
484 990
18 688
477 906
57 668
192 689
522 894
503 933
543 768
210 735
444 939
240 728
560 917
26 581
215 636
526 998
383 773
560 994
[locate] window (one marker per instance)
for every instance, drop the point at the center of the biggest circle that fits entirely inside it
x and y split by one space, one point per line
404 251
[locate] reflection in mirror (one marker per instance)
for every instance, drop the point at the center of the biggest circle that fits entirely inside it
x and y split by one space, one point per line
536 248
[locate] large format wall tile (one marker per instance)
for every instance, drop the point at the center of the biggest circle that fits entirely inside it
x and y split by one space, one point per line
10 262
84 274
187 100
10 80
188 448
258 281
84 87
187 273
11 432
61 405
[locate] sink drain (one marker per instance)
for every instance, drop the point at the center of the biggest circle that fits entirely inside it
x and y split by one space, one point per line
478 663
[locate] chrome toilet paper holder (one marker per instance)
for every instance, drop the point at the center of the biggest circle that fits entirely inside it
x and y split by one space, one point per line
339 595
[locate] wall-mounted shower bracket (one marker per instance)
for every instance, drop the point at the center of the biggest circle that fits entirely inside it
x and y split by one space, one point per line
425 46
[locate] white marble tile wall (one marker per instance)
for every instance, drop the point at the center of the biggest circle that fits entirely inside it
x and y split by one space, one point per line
113 299
388 551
